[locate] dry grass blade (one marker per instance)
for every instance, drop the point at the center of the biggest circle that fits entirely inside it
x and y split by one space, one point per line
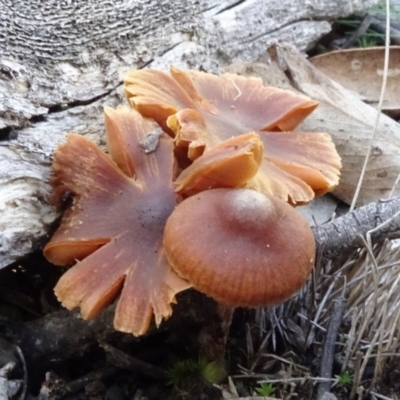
327 360
379 396
370 329
384 82
25 371
357 375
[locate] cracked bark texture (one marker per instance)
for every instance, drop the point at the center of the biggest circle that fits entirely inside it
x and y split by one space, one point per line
62 61
338 237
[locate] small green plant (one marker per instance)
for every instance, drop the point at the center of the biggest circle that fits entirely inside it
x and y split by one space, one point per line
183 394
182 371
366 41
344 379
370 38
265 389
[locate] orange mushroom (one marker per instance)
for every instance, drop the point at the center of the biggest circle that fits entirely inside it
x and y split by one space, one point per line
239 246
229 164
202 110
115 225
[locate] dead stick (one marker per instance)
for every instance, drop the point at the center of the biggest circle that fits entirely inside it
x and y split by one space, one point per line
122 360
394 23
342 235
339 306
380 27
94 376
360 31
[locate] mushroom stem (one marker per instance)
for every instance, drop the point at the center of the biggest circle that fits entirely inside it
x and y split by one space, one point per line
213 338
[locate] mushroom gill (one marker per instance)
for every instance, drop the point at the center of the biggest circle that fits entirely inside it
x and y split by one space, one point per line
114 227
203 110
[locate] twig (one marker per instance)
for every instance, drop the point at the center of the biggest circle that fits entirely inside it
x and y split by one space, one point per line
360 31
97 375
125 361
357 375
288 380
382 17
380 396
342 235
350 341
321 306
370 310
396 182
25 372
339 306
378 23
380 26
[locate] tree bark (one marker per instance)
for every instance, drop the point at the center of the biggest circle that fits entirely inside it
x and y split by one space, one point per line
381 220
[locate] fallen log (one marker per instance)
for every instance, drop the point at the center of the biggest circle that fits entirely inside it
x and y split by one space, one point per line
61 63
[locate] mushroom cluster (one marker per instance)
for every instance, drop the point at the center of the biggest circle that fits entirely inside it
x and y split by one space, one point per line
197 189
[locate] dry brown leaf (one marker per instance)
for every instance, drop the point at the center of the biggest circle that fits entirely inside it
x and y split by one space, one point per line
361 71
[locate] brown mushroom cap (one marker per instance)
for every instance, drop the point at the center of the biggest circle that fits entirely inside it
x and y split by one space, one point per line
239 246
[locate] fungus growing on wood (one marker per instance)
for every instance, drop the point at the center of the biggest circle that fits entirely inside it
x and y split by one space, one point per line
202 110
239 246
115 225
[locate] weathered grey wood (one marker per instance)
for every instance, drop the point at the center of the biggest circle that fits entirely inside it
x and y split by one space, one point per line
60 62
339 237
25 173
53 52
